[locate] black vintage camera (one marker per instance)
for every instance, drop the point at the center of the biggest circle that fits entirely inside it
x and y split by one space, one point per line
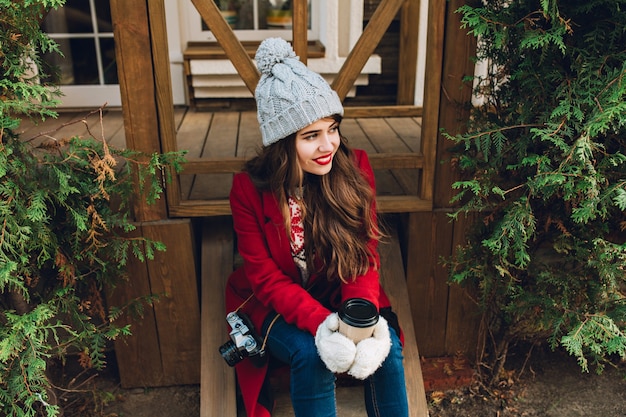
244 341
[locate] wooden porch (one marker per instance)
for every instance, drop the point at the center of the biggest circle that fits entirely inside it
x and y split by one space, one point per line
411 181
232 137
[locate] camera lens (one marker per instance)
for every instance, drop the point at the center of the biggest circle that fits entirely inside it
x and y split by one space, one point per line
230 353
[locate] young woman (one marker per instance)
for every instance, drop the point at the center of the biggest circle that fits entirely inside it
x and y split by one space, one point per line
305 219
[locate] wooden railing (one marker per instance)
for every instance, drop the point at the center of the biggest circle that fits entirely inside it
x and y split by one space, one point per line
365 46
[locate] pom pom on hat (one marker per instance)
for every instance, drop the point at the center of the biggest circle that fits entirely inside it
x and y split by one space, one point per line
271 52
289 95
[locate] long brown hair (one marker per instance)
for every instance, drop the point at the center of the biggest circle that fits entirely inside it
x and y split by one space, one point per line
339 220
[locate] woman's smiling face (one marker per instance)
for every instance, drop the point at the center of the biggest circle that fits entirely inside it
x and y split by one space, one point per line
316 145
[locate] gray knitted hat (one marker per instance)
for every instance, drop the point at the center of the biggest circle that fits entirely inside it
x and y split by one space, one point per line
289 96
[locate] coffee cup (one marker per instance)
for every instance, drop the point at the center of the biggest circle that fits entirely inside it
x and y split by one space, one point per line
357 318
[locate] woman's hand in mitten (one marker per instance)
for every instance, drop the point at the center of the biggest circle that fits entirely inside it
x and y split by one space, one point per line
371 352
335 349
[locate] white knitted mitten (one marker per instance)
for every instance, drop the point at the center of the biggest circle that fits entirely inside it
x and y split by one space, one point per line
336 350
371 352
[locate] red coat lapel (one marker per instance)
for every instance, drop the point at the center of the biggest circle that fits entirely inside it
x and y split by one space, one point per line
277 237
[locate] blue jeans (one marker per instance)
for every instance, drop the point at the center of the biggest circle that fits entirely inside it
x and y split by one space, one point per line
312 385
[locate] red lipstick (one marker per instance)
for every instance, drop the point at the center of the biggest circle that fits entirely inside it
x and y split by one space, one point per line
324 160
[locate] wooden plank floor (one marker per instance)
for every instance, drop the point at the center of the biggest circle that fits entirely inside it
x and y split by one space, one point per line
76 123
236 134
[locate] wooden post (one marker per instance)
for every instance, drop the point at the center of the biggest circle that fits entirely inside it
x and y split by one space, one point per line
164 348
442 313
164 96
300 24
137 87
432 93
454 112
407 61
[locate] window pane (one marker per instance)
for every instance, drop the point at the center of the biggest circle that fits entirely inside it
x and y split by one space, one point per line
109 64
103 13
79 64
278 14
57 68
238 13
270 14
74 17
245 14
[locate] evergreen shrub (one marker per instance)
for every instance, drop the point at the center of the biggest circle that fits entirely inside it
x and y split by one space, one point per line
543 165
65 218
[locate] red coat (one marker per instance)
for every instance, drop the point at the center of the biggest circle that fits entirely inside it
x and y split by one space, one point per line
270 272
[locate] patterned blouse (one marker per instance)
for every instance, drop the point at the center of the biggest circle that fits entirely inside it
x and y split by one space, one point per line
297 238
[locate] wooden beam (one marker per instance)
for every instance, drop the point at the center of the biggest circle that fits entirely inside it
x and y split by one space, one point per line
402 204
442 312
217 384
177 311
211 15
164 348
201 208
429 238
455 98
385 204
138 355
133 52
300 25
365 46
164 95
407 60
463 318
233 164
432 92
383 111
454 111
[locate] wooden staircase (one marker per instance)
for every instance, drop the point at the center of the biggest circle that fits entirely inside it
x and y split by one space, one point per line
217 379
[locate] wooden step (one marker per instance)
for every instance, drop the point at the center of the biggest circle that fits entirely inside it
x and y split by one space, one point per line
218 390
217 379
349 403
221 207
393 279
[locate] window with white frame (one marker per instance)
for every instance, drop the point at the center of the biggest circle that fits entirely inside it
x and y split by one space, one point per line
335 24
252 20
87 70
84 32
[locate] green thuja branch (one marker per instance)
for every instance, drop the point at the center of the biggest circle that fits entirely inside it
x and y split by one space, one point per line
65 225
543 165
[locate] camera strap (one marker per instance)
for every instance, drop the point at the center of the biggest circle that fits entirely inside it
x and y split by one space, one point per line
268 328
244 303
